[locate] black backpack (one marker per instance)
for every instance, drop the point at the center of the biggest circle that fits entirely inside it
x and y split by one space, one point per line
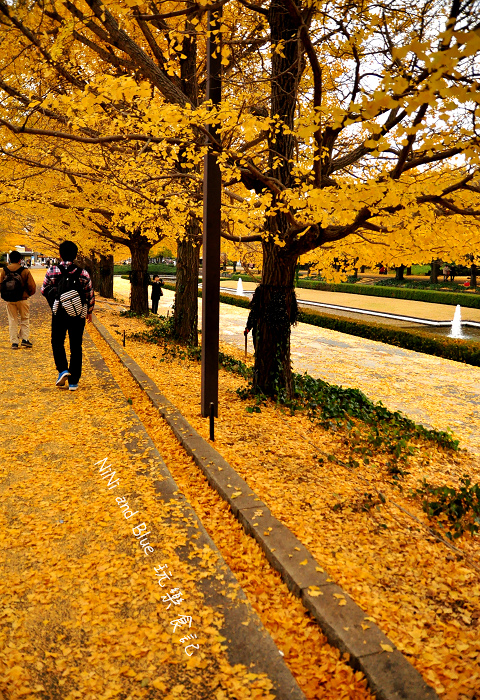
70 295
13 285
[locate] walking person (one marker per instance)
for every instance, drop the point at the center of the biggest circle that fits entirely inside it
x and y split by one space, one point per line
446 273
69 291
252 320
157 285
17 286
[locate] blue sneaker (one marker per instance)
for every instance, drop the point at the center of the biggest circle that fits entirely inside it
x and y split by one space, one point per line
62 378
72 387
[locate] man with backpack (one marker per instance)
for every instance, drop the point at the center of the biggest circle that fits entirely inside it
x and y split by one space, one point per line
17 285
69 291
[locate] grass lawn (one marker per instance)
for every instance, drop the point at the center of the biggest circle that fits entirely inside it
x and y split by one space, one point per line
160 269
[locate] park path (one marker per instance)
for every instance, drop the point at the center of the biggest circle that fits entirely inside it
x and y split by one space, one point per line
402 307
82 612
431 390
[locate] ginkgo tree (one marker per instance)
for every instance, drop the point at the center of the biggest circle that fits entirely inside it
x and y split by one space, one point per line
342 126
367 106
93 205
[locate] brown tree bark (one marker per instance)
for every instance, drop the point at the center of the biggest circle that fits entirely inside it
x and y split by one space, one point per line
473 276
90 264
186 290
399 273
275 310
435 271
277 307
185 313
106 276
139 248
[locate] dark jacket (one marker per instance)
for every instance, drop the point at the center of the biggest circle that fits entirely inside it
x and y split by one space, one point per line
156 290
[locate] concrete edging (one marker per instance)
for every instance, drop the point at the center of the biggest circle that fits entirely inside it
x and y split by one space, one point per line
249 643
390 675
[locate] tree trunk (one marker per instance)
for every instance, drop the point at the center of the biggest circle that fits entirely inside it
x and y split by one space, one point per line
399 273
408 271
362 269
106 276
186 291
434 272
90 264
275 309
274 304
473 276
139 277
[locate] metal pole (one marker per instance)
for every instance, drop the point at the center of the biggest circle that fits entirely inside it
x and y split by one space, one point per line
212 198
212 422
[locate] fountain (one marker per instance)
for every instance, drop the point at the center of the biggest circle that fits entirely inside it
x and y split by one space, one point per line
240 291
456 330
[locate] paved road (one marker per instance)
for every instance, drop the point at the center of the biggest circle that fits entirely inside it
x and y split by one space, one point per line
433 391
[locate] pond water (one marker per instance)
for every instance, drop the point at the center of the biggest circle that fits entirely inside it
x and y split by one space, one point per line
471 334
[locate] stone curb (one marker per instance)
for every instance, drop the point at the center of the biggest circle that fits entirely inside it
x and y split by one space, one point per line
249 643
390 675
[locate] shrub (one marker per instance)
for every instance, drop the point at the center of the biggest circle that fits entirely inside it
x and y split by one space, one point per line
452 349
449 348
432 296
460 508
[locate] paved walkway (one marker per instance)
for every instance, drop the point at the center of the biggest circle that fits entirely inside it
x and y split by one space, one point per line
404 307
431 390
83 614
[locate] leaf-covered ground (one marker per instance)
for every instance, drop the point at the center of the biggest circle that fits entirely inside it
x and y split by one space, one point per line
422 594
316 666
431 390
82 614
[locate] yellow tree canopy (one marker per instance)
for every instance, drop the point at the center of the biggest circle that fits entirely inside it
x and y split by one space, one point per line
338 121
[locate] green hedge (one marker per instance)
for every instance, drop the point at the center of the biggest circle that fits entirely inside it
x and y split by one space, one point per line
433 297
459 350
466 299
449 348
159 269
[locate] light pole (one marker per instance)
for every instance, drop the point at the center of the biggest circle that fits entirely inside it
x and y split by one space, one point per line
212 200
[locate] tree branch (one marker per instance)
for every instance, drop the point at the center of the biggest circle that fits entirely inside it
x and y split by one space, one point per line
114 138
255 8
257 238
120 39
59 67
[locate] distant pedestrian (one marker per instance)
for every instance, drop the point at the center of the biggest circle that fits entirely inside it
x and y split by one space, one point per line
446 273
157 285
69 291
453 272
17 286
252 320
